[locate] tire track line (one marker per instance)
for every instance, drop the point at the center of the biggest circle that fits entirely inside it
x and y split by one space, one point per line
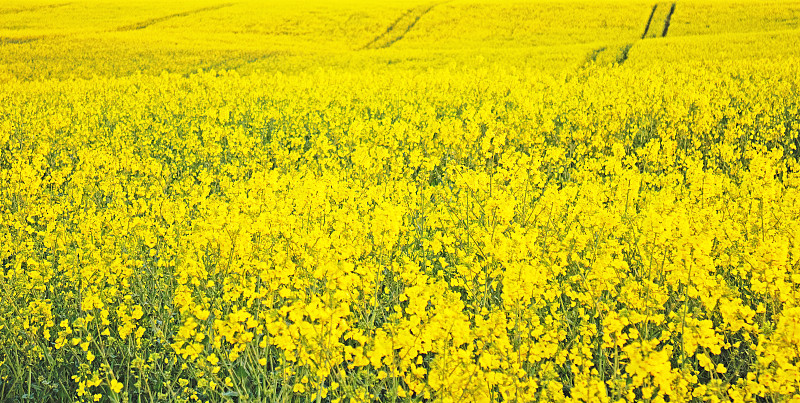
649 20
594 56
147 23
667 20
661 13
399 27
19 40
33 8
139 25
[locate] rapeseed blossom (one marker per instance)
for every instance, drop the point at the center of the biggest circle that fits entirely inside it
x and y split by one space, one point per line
475 232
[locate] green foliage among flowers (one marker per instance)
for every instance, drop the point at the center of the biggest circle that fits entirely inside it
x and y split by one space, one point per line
482 232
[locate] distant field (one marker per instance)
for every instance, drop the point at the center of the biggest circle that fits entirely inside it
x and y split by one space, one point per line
104 38
353 201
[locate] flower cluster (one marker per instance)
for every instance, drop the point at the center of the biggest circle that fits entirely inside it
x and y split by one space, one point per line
472 233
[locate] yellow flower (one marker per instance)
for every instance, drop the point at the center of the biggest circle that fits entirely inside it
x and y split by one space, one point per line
115 386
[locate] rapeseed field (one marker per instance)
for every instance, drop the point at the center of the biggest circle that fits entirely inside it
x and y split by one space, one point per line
400 201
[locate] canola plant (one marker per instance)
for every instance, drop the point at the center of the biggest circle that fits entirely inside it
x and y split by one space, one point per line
577 215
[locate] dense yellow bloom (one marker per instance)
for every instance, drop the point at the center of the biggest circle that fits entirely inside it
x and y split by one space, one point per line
476 200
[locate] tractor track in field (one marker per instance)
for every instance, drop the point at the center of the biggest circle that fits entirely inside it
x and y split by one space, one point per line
399 27
603 55
19 40
667 20
649 21
151 21
139 25
31 9
664 16
622 52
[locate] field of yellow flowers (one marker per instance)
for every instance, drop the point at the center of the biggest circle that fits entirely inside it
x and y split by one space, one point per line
400 201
